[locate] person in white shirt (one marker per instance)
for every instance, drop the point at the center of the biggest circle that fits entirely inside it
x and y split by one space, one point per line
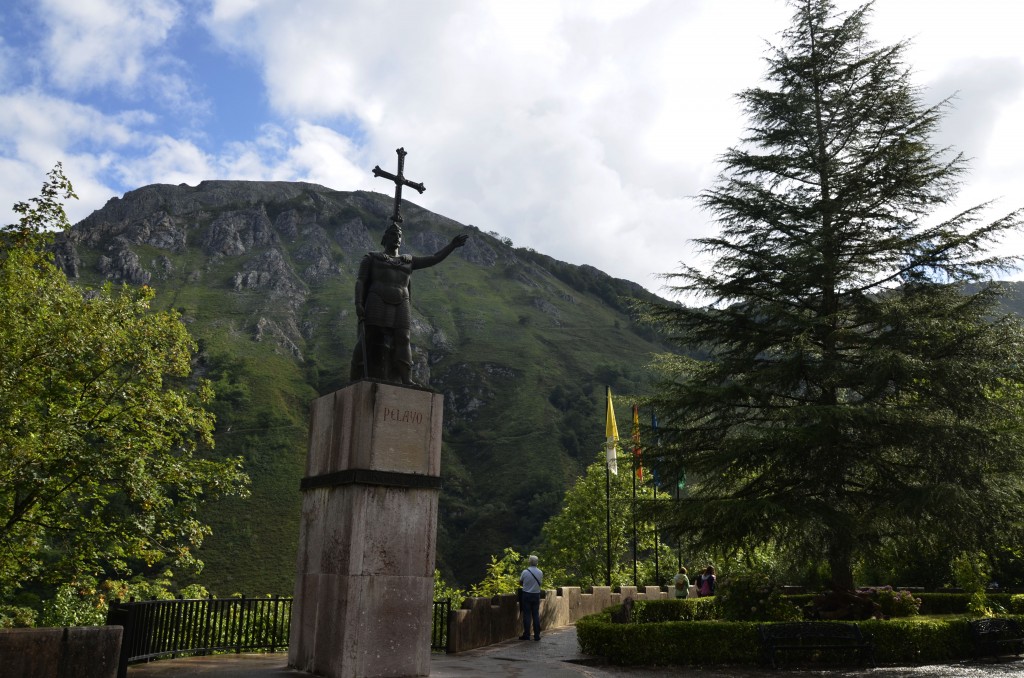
531 580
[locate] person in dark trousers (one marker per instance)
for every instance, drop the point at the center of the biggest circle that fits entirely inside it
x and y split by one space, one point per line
529 604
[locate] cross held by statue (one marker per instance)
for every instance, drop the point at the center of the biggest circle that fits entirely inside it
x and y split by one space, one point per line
400 181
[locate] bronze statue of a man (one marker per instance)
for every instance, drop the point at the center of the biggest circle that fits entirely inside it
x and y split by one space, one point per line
382 305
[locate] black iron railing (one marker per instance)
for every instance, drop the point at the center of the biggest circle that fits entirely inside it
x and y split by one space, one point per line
154 629
439 627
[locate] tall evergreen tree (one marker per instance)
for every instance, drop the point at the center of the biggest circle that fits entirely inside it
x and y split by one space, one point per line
858 383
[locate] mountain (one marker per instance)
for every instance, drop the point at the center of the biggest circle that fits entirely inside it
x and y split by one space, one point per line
520 344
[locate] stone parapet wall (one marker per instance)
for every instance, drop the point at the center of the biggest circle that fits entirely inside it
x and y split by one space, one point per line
485 621
66 652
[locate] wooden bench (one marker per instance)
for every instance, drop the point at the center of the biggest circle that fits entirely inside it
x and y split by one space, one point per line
994 637
814 640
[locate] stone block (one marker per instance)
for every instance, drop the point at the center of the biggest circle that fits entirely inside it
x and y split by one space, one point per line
370 425
69 652
312 524
302 631
653 593
368 530
370 626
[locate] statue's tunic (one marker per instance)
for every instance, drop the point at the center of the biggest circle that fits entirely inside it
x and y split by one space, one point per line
382 290
384 282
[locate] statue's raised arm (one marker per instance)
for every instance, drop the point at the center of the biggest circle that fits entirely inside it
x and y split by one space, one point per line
442 254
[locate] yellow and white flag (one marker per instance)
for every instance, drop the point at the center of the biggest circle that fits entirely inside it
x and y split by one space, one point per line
611 435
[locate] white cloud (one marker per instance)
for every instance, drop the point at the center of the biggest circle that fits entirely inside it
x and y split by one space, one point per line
95 43
579 128
30 121
168 161
566 126
983 90
37 131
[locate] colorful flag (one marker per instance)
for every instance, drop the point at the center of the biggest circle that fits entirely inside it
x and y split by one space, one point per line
636 443
611 435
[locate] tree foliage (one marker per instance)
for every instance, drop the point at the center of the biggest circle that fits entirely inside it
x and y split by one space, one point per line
575 540
502 575
859 384
100 422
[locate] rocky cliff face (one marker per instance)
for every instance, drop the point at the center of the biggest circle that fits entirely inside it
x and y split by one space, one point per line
276 239
264 274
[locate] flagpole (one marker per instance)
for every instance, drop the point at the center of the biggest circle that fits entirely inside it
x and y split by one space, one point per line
654 484
679 543
611 432
632 513
608 523
657 572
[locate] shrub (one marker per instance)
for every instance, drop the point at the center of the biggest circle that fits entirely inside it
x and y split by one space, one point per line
684 609
74 605
502 575
753 596
16 616
943 603
895 603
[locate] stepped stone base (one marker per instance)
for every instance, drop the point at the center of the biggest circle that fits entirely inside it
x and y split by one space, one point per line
365 566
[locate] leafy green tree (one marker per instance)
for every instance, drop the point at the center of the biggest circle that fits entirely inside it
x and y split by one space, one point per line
502 575
100 422
859 383
85 602
445 591
575 540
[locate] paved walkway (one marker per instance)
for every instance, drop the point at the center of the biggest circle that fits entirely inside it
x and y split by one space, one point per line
557 655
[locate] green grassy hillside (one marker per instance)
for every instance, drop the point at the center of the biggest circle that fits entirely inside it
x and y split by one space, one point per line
520 344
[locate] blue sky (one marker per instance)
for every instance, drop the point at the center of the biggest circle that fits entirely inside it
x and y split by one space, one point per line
580 128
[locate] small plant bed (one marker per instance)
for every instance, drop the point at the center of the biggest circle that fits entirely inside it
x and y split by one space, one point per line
814 641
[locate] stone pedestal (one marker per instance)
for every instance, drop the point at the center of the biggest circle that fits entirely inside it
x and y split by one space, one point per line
364 584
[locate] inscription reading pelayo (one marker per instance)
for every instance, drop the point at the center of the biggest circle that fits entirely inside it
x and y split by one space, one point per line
393 414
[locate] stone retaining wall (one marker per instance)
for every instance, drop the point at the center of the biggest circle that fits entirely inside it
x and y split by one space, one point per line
485 621
69 652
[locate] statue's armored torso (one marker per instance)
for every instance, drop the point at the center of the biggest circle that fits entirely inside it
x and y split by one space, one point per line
387 294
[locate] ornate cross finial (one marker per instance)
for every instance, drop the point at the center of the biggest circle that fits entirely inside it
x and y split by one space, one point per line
400 181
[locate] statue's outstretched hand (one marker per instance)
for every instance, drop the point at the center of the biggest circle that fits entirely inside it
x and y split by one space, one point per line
459 240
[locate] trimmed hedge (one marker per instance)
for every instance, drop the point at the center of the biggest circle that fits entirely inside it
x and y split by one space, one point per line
940 603
898 642
665 643
676 609
956 603
908 641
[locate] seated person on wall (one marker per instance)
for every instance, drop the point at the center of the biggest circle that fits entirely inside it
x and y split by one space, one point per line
384 350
